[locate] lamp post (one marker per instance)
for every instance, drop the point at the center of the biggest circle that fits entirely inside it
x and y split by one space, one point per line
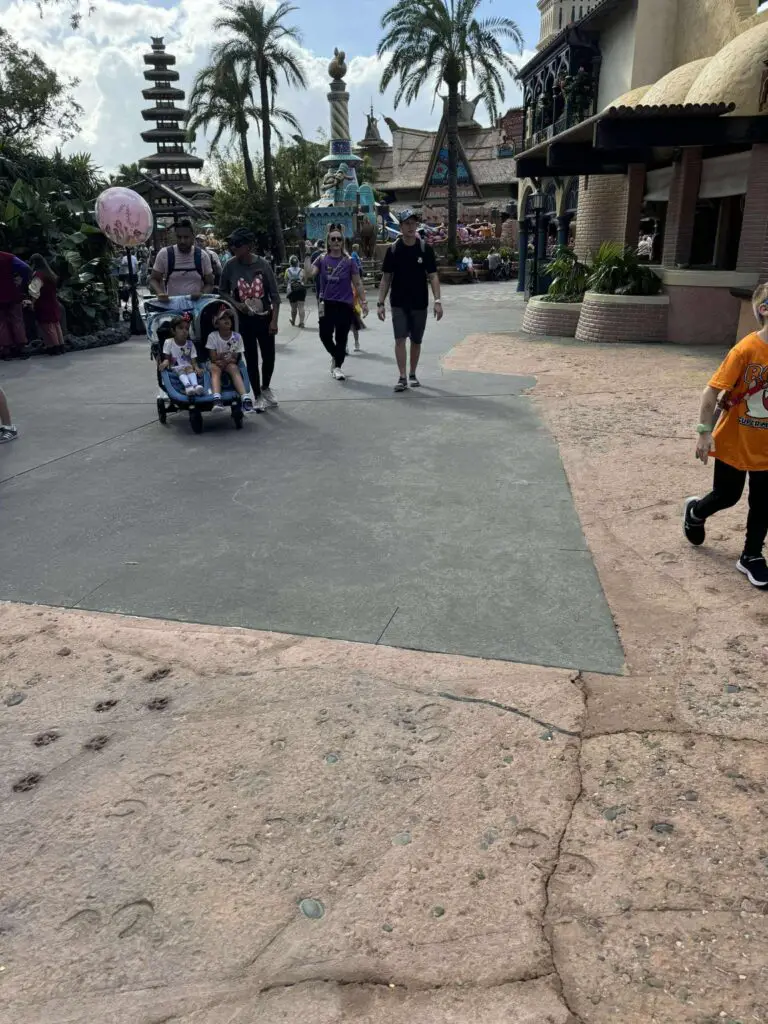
537 200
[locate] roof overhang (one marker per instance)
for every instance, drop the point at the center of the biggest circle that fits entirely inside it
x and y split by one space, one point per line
609 142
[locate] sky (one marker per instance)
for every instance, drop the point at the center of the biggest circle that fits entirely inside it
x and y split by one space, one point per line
105 54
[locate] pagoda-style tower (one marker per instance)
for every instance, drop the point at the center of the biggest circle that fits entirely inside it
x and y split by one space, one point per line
171 163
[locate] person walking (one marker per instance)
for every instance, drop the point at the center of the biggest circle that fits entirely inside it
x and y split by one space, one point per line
339 282
42 292
14 274
8 431
409 264
296 290
183 268
250 282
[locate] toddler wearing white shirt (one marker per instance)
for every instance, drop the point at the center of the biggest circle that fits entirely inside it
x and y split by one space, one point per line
180 355
226 347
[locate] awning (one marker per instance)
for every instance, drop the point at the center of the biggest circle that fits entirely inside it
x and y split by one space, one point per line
720 176
609 142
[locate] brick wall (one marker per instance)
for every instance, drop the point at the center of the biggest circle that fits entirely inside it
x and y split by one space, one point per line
511 125
602 215
626 322
753 247
681 210
553 319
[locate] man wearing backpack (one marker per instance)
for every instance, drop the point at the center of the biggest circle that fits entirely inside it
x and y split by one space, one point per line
183 268
408 265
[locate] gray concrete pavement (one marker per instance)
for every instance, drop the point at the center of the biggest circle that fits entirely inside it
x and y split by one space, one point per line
439 519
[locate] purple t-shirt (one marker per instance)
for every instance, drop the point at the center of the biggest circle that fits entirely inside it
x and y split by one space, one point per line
336 279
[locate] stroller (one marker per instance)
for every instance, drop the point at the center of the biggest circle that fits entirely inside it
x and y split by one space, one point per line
202 311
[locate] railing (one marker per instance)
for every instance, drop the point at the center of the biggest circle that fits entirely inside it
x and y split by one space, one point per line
562 124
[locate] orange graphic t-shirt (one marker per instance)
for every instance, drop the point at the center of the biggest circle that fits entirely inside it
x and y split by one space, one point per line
741 435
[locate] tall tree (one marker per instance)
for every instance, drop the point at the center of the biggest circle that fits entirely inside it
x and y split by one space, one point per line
222 99
443 41
35 103
127 174
265 48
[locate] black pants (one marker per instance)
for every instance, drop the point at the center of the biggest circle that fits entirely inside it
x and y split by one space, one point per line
728 489
257 337
336 322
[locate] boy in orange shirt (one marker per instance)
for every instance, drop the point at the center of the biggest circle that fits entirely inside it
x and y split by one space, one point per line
739 443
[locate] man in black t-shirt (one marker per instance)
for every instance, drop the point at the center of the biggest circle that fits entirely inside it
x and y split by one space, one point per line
408 265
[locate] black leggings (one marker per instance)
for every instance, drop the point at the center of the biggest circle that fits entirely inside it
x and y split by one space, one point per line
728 489
257 337
337 320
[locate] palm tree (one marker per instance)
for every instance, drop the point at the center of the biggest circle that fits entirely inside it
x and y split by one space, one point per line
222 98
443 41
127 174
261 44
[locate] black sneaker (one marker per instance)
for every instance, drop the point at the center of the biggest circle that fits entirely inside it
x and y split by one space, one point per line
754 569
693 528
402 385
413 381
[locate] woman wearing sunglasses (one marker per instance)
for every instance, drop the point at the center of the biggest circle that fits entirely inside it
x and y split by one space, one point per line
339 282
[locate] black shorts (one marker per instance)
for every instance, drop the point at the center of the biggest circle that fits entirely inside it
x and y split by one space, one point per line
409 323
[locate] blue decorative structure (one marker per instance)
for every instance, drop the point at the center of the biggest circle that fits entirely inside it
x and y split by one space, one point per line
343 200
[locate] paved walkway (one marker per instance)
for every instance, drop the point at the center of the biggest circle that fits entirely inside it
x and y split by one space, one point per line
207 825
437 520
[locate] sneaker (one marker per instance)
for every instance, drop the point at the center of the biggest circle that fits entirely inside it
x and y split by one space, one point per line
247 405
413 381
754 569
190 391
338 373
218 405
402 385
260 405
199 389
8 433
269 397
693 528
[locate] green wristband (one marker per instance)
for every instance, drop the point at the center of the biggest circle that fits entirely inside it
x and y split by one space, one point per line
702 428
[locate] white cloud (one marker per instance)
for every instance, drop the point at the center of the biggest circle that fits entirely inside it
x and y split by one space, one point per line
105 54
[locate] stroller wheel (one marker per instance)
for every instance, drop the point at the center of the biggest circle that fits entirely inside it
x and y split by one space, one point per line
196 420
237 416
162 415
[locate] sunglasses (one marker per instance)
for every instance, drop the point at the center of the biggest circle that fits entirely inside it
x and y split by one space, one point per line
335 238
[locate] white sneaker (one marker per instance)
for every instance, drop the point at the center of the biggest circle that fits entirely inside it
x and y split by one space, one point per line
260 405
338 374
269 397
199 389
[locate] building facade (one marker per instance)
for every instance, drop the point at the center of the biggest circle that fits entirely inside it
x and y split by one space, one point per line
669 132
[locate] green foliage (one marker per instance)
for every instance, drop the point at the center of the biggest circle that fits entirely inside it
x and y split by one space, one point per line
34 101
127 174
617 270
569 277
235 204
296 176
45 207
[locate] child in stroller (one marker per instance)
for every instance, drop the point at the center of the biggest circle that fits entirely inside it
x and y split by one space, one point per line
180 356
225 348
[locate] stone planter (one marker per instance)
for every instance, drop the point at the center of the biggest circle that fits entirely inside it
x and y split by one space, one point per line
623 318
558 319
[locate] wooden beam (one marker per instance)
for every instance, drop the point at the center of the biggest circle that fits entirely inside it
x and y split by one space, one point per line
673 132
563 154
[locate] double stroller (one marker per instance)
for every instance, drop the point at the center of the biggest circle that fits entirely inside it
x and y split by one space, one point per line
202 311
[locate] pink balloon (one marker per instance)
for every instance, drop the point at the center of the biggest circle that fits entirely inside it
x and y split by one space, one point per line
123 216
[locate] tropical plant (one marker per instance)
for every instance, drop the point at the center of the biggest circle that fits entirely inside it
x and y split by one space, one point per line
617 270
569 277
235 203
442 41
262 48
222 99
34 101
127 174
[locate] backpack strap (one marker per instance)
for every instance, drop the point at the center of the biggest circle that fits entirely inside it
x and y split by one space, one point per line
199 261
170 254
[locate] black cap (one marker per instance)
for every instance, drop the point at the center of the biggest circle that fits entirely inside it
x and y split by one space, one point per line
241 236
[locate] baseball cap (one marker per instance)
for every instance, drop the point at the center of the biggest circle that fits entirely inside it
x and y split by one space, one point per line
241 236
408 214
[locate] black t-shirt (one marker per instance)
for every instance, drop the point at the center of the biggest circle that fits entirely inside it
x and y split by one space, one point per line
410 267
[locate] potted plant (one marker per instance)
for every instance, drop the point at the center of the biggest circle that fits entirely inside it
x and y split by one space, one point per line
557 313
623 301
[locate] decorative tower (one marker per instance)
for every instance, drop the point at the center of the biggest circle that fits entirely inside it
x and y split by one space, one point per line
340 150
373 142
171 163
558 14
343 200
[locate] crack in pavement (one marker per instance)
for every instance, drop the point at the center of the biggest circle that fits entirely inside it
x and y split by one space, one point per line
511 710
